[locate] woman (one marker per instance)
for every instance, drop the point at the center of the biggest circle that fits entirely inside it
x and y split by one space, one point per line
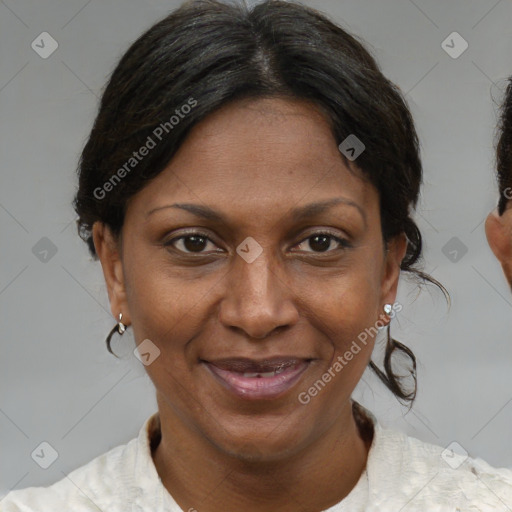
498 224
247 187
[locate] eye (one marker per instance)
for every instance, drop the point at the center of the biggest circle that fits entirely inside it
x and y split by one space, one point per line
194 242
322 242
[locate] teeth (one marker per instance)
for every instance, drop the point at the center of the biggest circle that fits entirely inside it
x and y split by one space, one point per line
264 375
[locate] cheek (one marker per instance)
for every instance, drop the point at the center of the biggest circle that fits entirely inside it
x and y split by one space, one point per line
350 302
351 327
162 302
351 308
171 312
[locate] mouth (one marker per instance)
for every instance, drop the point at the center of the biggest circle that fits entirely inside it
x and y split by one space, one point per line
263 379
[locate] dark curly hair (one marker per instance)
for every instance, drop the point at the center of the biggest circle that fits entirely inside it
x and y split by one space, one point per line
504 150
208 53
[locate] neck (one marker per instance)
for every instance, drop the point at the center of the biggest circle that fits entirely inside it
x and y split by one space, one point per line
200 476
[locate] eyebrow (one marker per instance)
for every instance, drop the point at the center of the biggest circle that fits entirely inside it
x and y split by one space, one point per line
297 214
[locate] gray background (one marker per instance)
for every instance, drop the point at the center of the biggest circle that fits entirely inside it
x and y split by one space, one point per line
59 384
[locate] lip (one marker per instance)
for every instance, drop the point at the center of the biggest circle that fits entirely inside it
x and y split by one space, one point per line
230 373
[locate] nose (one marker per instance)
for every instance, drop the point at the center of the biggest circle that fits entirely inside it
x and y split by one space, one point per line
259 299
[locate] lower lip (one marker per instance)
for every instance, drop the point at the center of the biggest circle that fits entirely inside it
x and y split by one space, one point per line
254 388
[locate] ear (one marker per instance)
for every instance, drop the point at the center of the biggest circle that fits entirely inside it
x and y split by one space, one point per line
396 249
498 230
109 254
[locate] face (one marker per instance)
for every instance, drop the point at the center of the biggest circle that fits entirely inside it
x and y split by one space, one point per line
498 229
250 291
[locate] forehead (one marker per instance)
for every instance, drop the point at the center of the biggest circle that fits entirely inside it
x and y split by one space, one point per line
259 156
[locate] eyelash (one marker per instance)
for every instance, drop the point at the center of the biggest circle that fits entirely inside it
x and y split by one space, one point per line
344 244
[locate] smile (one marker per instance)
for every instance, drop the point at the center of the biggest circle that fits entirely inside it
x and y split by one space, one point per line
253 380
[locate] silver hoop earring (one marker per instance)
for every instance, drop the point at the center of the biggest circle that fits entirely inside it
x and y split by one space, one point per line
120 328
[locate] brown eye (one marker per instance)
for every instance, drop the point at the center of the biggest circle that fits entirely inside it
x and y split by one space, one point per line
190 243
323 242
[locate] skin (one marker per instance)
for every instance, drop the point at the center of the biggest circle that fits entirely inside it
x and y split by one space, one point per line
498 230
254 161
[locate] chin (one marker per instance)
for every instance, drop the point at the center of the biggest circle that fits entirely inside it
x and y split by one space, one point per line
259 444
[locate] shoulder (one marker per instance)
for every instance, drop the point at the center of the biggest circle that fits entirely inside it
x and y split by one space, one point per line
423 474
84 489
104 483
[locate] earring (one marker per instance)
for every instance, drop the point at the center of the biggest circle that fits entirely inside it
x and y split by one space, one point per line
120 328
388 308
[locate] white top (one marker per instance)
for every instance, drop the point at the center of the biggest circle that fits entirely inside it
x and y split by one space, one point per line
402 474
